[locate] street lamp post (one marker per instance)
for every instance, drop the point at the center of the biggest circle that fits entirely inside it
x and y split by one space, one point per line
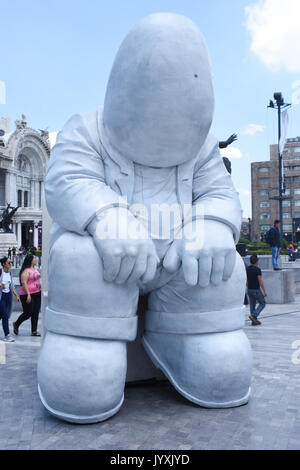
280 105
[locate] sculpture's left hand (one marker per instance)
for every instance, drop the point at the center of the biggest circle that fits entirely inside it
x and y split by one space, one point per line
207 259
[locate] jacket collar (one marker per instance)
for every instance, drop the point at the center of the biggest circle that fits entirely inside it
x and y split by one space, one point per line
184 172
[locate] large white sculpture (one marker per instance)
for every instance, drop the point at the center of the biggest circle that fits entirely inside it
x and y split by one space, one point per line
149 145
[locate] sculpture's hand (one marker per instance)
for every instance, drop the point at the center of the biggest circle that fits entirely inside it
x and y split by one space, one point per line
126 258
210 258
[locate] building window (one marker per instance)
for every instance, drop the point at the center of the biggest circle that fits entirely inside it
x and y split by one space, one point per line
263 180
264 216
264 204
297 203
20 198
264 192
297 215
296 179
286 203
287 227
264 228
296 168
25 198
287 179
286 215
297 149
19 180
296 191
263 170
287 192
286 168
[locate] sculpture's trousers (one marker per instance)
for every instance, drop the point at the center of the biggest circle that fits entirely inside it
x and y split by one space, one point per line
193 334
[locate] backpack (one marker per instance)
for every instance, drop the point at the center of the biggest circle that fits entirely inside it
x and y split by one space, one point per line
268 237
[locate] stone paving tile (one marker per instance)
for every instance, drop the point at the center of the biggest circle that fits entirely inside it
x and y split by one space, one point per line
155 416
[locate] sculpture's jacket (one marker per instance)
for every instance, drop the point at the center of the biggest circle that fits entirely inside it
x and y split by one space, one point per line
83 178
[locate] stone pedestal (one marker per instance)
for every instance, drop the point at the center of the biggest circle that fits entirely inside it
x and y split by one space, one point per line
139 366
7 240
295 268
280 286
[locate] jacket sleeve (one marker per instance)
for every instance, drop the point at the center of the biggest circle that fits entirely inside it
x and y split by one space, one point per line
214 190
75 188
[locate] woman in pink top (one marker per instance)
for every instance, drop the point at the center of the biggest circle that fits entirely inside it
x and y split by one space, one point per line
30 295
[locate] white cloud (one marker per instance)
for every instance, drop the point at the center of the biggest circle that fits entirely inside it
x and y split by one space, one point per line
275 33
231 152
52 138
252 129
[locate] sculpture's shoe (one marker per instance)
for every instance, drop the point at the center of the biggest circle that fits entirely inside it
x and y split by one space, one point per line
81 380
212 370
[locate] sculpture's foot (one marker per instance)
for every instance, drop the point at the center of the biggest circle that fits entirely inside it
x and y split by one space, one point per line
81 380
212 370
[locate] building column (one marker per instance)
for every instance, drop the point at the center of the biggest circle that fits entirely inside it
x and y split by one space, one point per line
37 194
19 233
7 188
32 193
35 234
42 193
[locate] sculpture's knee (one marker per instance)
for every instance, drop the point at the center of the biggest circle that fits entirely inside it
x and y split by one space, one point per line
76 283
226 294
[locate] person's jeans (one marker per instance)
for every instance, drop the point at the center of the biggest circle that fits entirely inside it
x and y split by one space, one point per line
275 254
5 303
256 295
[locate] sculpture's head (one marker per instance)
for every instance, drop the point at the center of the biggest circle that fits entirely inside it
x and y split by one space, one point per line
159 100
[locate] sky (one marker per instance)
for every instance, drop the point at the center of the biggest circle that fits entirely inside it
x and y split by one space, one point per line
56 56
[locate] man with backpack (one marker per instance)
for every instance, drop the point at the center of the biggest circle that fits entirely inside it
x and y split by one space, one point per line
273 239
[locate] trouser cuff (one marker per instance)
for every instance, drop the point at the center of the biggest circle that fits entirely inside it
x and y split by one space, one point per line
113 328
194 323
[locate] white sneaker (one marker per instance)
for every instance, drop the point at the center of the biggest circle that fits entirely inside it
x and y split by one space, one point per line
8 339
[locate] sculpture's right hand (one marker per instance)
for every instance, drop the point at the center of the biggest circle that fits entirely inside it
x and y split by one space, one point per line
126 259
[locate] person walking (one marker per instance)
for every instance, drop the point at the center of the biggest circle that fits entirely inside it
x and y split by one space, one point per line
273 240
20 255
30 294
14 251
254 286
6 290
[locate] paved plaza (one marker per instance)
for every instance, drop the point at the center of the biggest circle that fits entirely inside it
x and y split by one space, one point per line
155 416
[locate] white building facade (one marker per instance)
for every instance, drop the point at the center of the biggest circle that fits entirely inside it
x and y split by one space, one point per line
24 155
